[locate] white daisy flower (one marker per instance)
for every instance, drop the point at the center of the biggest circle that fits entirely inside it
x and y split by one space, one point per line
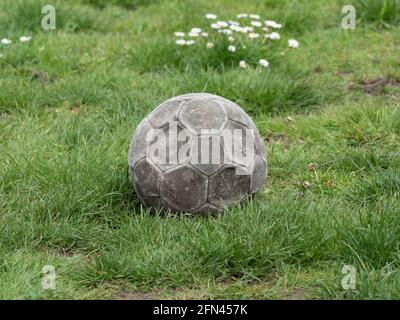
256 24
242 64
232 48
242 15
269 23
265 29
243 29
6 41
204 34
273 36
231 39
233 23
255 16
193 34
211 16
25 38
180 42
225 31
293 43
253 35
190 42
222 24
210 45
179 34
215 26
195 30
272 24
264 63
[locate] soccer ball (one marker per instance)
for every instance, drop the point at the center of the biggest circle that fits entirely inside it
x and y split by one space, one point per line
196 153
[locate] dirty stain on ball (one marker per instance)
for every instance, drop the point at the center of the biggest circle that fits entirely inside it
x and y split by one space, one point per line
196 153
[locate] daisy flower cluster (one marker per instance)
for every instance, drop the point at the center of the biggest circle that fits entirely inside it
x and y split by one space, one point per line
243 30
6 41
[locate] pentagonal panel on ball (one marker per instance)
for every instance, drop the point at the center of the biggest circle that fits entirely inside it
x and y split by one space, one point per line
184 188
164 113
171 147
207 153
202 114
146 177
226 187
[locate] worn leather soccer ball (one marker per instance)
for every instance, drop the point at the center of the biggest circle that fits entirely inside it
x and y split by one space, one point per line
196 153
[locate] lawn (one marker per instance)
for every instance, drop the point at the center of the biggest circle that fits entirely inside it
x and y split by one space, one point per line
329 111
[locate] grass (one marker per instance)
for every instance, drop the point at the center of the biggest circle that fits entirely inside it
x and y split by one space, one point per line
70 100
384 13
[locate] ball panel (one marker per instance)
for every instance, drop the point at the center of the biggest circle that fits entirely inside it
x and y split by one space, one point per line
259 174
146 177
227 187
164 113
173 151
207 153
236 113
198 114
183 188
241 149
